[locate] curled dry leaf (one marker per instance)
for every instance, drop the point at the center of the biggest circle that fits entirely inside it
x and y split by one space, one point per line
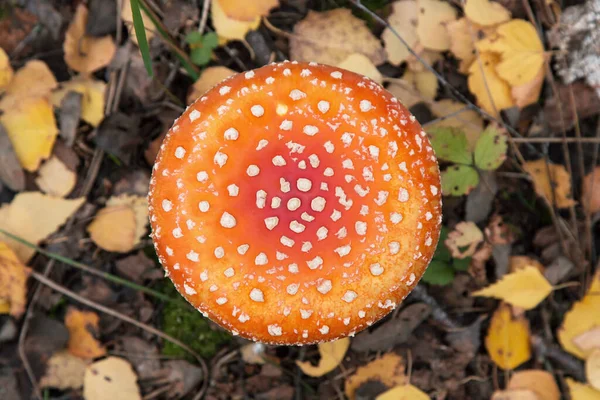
403 392
86 54
508 339
247 10
581 391
547 176
13 281
329 37
332 354
361 64
590 188
389 370
33 216
83 326
592 368
111 378
92 101
209 78
6 71
465 235
431 25
486 12
228 28
525 288
121 224
403 20
55 178
492 92
64 371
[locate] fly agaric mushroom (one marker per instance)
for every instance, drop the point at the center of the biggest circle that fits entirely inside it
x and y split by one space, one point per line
295 203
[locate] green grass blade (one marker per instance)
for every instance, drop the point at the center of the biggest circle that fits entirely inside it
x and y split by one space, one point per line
140 33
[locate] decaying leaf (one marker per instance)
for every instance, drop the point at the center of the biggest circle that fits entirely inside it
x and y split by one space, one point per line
490 150
13 280
403 392
464 239
209 78
547 176
486 12
592 368
111 378
120 225
525 288
581 391
360 64
332 354
590 188
33 216
329 37
248 10
459 180
82 326
583 317
403 20
64 371
228 28
6 71
431 26
389 370
492 92
86 54
34 79
507 341
92 101
55 178
468 121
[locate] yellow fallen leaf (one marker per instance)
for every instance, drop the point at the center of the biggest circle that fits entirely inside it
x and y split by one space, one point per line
548 176
209 78
529 92
507 341
332 354
111 378
404 392
403 20
428 56
581 391
31 127
6 71
389 370
463 35
64 371
464 239
246 10
360 64
127 17
540 382
13 281
121 224
228 28
55 178
431 25
588 340
522 52
86 54
92 101
521 262
485 12
492 92
525 288
33 80
82 327
33 216
592 368
590 196
414 87
331 36
469 121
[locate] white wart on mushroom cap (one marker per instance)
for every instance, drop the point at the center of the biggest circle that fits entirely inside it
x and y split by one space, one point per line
295 203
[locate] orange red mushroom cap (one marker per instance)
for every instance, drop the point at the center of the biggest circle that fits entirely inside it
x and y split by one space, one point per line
295 203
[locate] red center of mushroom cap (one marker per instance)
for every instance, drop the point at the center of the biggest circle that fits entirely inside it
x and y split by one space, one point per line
295 203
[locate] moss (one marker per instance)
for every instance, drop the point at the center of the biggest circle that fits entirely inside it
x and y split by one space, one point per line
189 326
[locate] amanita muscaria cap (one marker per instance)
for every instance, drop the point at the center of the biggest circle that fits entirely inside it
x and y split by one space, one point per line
295 203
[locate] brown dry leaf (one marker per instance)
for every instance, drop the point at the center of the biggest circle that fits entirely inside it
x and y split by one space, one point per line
590 189
246 10
583 317
127 17
592 368
55 178
13 282
111 378
520 262
209 78
469 121
92 101
121 224
331 36
508 339
492 92
83 326
545 177
6 71
332 354
86 54
389 370
33 216
360 64
581 391
540 382
229 28
404 21
465 234
403 392
64 371
486 12
431 25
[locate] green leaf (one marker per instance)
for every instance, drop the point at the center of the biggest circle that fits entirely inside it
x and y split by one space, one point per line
459 180
201 55
210 40
438 273
461 264
441 252
451 144
193 37
140 33
490 150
